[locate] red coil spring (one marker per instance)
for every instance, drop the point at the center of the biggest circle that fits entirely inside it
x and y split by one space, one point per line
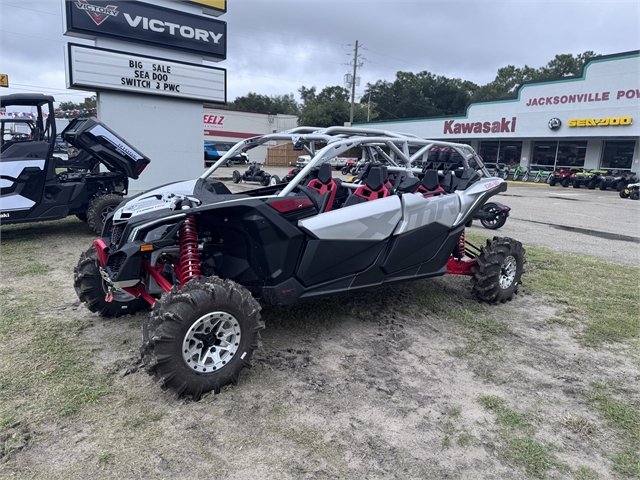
189 257
461 245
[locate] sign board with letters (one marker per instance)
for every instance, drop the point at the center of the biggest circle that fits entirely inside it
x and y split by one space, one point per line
147 24
92 68
4 80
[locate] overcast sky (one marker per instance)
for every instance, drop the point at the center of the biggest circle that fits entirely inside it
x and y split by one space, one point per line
275 47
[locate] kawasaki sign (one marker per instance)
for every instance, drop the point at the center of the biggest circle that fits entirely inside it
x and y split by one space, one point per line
149 24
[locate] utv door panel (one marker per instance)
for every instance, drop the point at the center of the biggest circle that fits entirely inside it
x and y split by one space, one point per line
21 183
325 260
414 247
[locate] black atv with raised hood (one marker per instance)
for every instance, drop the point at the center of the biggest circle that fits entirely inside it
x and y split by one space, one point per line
206 258
37 185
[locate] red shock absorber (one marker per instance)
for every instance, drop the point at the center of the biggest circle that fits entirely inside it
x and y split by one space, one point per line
189 257
461 245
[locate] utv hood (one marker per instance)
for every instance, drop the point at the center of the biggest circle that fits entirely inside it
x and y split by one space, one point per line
160 199
113 152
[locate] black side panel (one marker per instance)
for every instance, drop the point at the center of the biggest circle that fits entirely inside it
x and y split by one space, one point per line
324 260
439 260
414 247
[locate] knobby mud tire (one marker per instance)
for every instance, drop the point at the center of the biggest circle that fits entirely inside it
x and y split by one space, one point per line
91 290
99 208
635 195
495 261
181 313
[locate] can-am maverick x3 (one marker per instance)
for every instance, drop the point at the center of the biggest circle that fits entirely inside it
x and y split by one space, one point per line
204 257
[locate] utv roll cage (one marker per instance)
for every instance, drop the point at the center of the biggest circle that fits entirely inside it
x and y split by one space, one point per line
382 145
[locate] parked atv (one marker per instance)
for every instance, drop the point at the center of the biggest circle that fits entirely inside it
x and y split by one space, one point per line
563 176
631 191
255 174
588 178
36 185
616 179
206 259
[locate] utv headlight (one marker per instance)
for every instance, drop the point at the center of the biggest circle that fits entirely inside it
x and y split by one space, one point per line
162 222
158 233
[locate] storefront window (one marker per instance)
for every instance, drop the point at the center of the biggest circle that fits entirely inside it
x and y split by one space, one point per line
510 153
571 154
505 153
617 154
489 152
544 154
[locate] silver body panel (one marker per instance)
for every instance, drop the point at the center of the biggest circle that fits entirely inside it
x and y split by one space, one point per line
375 220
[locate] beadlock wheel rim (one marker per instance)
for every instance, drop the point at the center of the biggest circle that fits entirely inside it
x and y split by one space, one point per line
211 342
508 272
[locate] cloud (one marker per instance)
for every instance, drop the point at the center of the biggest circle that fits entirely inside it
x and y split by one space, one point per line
276 47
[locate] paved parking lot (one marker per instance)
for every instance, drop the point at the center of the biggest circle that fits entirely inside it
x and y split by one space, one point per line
591 222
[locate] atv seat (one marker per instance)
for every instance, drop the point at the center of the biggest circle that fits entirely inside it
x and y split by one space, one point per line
430 185
325 185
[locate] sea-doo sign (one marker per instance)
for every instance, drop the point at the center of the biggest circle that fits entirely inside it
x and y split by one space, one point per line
92 68
149 24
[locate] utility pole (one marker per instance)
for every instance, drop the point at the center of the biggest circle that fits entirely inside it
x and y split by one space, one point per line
353 82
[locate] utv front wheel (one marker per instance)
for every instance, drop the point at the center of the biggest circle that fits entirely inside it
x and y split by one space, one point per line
200 338
92 290
99 208
624 193
635 195
499 267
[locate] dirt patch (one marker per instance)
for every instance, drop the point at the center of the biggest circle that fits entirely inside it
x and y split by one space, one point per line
388 390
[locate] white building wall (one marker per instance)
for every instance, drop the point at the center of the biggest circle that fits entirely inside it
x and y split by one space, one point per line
236 125
609 87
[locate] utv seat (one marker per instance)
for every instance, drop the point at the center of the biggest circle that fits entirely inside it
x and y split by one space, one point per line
430 185
326 186
375 187
459 180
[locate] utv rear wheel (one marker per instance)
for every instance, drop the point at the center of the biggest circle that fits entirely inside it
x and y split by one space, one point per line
99 208
552 182
565 182
265 180
200 338
576 184
236 176
92 290
635 195
603 185
497 274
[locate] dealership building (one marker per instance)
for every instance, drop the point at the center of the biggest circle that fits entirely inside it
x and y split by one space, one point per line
590 120
224 125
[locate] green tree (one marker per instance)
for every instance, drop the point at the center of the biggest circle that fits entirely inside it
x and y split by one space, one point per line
255 102
329 107
87 107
